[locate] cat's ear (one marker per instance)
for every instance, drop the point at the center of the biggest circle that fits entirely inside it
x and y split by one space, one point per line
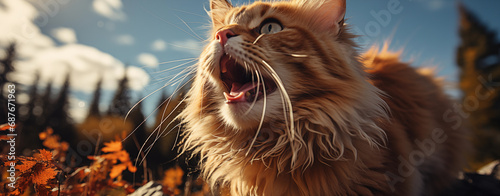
218 10
329 16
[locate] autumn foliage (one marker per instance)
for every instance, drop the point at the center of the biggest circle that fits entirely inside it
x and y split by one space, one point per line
44 174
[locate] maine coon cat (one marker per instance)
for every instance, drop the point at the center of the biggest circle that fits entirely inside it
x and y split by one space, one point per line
283 104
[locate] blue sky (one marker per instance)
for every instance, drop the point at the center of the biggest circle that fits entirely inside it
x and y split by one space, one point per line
148 35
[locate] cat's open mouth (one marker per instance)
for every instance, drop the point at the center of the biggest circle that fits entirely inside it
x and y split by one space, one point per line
243 85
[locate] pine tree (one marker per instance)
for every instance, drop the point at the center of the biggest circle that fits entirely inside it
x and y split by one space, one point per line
29 118
6 67
139 122
59 118
94 106
41 111
120 105
478 58
7 64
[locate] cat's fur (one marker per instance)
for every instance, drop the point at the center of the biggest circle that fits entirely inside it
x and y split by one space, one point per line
341 124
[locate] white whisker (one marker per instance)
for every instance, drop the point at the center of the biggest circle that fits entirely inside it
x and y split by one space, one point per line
261 117
178 60
161 133
288 102
258 87
299 55
258 38
175 67
285 94
148 149
188 70
189 27
163 20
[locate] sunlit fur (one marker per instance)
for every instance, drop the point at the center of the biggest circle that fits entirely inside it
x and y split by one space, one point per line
351 116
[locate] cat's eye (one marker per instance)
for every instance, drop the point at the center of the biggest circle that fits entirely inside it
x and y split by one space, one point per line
270 27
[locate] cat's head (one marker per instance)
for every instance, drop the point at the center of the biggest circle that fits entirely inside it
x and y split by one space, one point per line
285 52
291 62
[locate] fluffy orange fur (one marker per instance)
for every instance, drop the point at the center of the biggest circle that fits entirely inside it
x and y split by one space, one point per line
338 123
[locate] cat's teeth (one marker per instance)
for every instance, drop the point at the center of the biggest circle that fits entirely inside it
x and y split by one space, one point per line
224 69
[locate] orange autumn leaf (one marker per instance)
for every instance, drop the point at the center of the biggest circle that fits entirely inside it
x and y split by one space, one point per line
49 131
112 146
173 177
16 192
51 142
131 167
25 166
64 146
112 157
117 170
123 156
43 176
43 135
4 137
6 126
44 155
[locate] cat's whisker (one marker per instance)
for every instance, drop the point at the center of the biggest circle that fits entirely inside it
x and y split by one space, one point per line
172 79
281 86
166 21
254 73
140 101
299 55
147 139
289 121
178 60
188 72
205 77
177 66
148 149
185 47
189 27
161 133
172 121
143 146
261 118
258 38
194 14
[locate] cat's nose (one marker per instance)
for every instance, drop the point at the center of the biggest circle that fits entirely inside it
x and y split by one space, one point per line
223 35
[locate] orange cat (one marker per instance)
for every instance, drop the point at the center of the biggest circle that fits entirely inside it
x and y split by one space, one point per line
283 104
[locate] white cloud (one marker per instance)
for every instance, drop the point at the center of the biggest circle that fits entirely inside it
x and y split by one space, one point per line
85 64
111 9
147 60
18 26
37 52
189 46
64 35
125 39
137 78
158 45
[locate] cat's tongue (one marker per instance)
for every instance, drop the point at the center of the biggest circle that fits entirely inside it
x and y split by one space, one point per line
239 92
